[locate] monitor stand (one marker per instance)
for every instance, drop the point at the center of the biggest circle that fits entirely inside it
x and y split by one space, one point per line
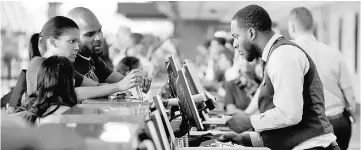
184 127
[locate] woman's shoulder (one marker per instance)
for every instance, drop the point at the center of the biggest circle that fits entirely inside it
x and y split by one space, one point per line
35 63
31 73
37 60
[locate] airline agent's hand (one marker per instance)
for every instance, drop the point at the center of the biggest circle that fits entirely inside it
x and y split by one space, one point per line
239 122
240 139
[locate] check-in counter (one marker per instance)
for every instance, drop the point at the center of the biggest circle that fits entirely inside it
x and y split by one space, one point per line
86 113
117 105
111 101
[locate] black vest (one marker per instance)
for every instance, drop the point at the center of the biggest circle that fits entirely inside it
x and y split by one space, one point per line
314 121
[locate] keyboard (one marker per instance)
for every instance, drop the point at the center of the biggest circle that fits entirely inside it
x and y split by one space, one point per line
210 140
216 143
214 132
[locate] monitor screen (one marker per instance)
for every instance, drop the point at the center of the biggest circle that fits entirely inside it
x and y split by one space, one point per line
150 128
186 102
156 118
193 81
194 85
172 68
167 126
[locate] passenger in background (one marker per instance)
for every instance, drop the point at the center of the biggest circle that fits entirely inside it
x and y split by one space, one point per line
151 43
134 45
337 87
201 56
127 64
118 47
241 90
137 49
161 54
220 59
55 92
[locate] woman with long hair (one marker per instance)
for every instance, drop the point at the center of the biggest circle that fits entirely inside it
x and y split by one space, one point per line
55 91
60 37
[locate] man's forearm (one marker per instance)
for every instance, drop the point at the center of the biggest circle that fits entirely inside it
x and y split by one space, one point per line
95 91
273 119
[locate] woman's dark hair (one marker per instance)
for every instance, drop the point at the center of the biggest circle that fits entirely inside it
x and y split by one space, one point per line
55 86
127 64
54 27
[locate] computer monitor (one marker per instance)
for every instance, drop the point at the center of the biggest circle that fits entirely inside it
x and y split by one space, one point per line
151 130
172 68
194 83
158 124
195 86
186 102
167 126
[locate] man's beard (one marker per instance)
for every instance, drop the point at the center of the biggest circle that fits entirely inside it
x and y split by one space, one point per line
250 51
87 52
98 52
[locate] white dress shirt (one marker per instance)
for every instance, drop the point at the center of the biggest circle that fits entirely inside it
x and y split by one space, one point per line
286 69
333 73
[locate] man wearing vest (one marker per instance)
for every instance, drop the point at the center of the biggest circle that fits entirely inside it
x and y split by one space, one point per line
339 95
291 103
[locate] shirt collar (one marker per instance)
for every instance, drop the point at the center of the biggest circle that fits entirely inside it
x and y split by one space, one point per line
268 46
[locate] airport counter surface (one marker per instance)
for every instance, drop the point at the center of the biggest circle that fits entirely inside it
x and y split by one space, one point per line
100 113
